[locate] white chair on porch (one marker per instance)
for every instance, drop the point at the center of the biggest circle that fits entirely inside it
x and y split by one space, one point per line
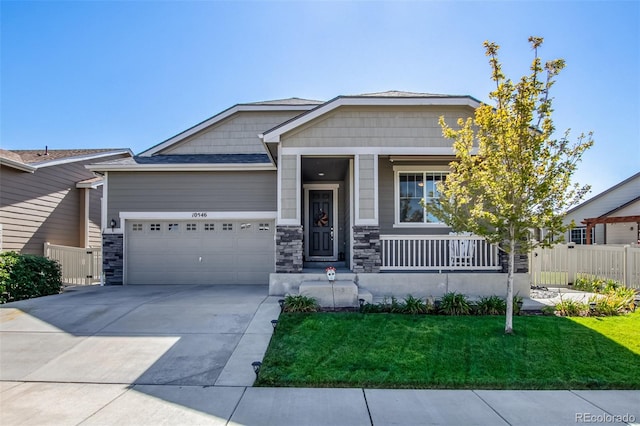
461 251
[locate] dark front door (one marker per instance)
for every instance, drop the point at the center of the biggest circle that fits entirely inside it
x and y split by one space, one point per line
321 222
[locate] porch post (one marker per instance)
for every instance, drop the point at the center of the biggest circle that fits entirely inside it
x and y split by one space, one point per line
366 229
289 230
113 258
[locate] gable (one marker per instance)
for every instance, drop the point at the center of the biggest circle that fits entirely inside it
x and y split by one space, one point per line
377 126
607 201
237 134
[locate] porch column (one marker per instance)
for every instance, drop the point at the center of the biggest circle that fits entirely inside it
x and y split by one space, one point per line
366 229
113 258
289 226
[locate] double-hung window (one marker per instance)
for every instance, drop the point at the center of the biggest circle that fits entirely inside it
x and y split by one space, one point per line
411 188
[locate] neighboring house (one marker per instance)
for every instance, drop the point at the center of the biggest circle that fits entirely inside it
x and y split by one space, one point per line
284 186
611 217
50 196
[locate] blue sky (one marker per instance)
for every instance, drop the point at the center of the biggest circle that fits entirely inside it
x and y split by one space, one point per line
102 74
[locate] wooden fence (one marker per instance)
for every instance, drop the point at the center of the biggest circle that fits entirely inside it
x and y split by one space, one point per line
80 266
563 263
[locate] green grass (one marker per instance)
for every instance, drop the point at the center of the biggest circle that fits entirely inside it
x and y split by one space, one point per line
405 351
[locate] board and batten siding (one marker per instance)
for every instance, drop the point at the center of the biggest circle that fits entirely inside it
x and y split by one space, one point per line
362 127
190 191
44 206
237 134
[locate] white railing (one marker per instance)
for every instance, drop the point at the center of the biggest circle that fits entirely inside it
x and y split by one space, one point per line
561 264
437 253
80 266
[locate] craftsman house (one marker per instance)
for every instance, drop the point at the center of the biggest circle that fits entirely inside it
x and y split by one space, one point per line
268 191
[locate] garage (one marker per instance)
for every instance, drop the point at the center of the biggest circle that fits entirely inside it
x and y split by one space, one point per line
199 251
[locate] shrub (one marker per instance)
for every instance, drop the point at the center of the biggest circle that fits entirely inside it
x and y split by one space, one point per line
414 306
454 303
299 303
571 308
23 276
492 305
616 301
595 285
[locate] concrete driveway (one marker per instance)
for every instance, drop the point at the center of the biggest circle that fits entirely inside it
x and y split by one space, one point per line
145 337
154 355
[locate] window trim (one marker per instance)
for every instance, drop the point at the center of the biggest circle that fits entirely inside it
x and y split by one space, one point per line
397 170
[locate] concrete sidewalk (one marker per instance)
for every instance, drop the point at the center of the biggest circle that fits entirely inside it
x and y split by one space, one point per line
154 355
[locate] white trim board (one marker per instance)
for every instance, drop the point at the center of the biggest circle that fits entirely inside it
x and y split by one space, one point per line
334 188
383 150
198 215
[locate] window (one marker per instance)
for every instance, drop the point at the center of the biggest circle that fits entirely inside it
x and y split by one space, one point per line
173 227
136 227
263 227
579 235
413 187
154 227
192 227
245 226
209 226
227 226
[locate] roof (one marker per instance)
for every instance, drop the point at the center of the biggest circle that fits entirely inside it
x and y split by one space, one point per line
289 101
401 94
202 162
204 159
29 159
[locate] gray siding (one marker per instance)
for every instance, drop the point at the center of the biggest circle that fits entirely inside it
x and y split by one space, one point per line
43 206
190 191
386 203
377 127
237 134
289 191
95 213
366 182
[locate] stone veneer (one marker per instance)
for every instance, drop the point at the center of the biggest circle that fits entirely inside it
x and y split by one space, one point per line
521 262
366 249
112 259
289 249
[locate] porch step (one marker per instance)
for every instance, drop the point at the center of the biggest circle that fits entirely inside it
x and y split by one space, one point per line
337 294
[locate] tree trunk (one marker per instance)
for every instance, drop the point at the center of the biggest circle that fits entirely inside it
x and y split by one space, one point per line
508 327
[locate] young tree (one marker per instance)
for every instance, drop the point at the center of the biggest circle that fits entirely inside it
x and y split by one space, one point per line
510 174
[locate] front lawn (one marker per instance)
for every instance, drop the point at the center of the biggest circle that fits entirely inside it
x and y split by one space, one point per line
405 351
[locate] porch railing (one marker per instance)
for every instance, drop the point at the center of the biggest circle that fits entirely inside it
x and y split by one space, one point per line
80 266
437 253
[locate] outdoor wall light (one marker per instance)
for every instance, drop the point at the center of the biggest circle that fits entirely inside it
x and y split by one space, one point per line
274 324
112 224
281 303
256 367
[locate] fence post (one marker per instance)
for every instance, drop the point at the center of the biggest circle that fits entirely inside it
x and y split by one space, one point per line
46 249
572 263
627 263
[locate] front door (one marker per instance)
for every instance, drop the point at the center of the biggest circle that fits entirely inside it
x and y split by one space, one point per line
321 222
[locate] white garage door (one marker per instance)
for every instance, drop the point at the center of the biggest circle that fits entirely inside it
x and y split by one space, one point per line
199 252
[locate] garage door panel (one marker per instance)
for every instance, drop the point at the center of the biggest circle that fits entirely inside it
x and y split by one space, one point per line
199 252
